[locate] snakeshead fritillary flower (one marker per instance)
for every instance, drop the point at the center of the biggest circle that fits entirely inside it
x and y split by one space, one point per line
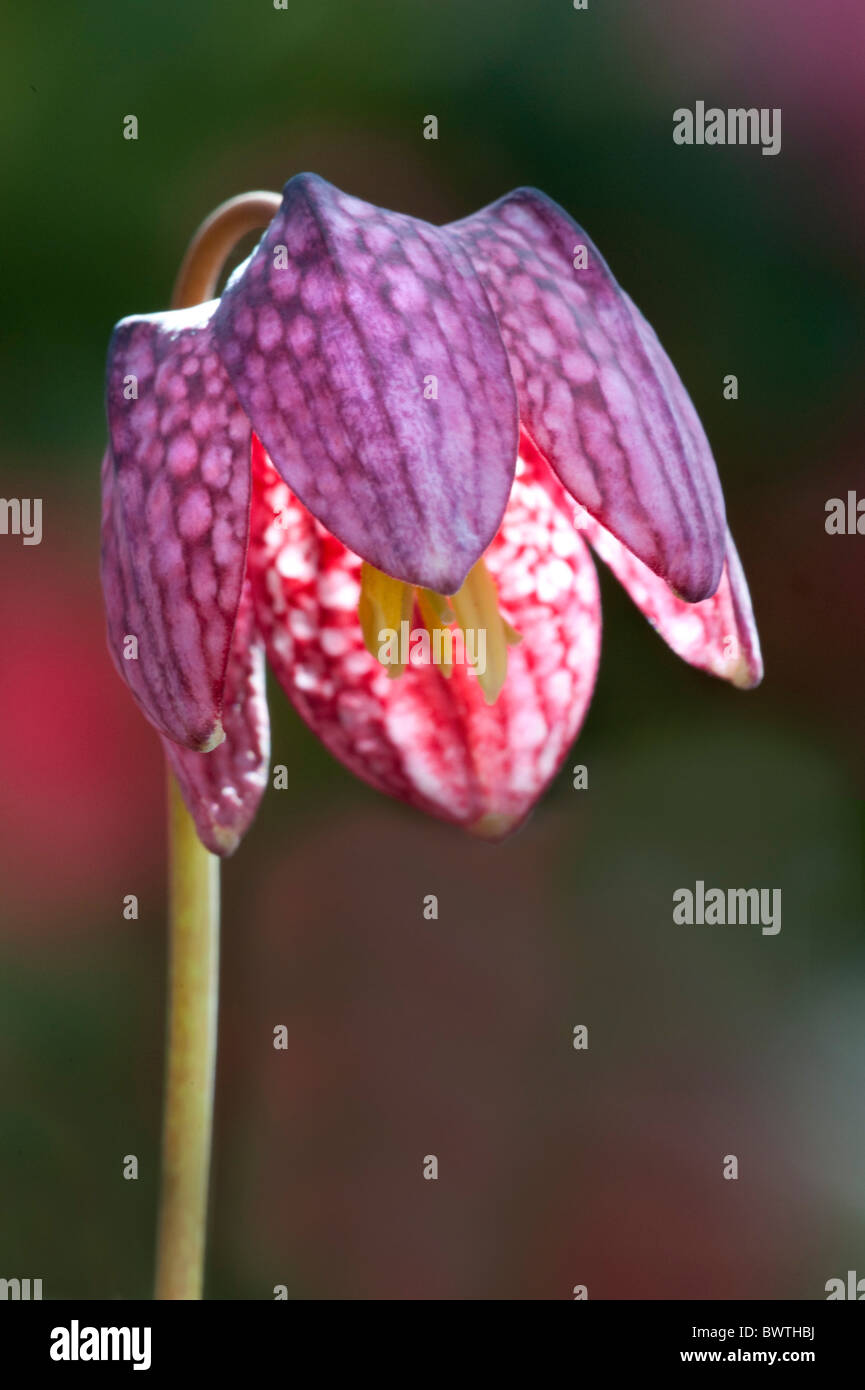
376 415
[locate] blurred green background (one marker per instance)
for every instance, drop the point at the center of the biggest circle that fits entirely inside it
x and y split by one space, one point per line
453 1037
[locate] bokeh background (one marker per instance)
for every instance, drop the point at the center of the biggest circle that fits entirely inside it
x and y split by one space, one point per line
453 1037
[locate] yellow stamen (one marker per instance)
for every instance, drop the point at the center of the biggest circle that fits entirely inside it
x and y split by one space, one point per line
437 605
437 616
477 608
386 603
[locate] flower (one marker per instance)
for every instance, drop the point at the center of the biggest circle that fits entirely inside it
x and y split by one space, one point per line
381 419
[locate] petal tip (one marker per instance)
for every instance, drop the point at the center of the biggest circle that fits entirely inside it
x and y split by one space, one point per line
494 826
701 583
214 739
224 841
746 675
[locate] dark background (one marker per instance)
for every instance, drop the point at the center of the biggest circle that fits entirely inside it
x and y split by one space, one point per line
453 1037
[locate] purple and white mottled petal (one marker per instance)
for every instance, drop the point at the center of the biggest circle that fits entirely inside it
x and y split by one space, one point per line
222 789
370 363
175 518
597 393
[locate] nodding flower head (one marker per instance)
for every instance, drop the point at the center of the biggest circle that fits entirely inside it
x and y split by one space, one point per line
377 459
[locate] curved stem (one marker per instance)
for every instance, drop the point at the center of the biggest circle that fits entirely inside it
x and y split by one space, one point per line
194 906
214 241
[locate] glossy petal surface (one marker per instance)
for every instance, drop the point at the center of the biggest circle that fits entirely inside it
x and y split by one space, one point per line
597 393
223 788
175 518
425 739
371 366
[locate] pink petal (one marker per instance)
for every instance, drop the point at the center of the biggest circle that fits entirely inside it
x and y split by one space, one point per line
597 393
429 741
370 363
175 518
223 788
718 635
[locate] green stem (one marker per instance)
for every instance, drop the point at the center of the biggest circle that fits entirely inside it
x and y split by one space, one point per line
193 1001
192 1024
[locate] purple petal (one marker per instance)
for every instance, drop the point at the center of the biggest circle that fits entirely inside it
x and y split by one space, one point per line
223 788
333 331
597 392
175 518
